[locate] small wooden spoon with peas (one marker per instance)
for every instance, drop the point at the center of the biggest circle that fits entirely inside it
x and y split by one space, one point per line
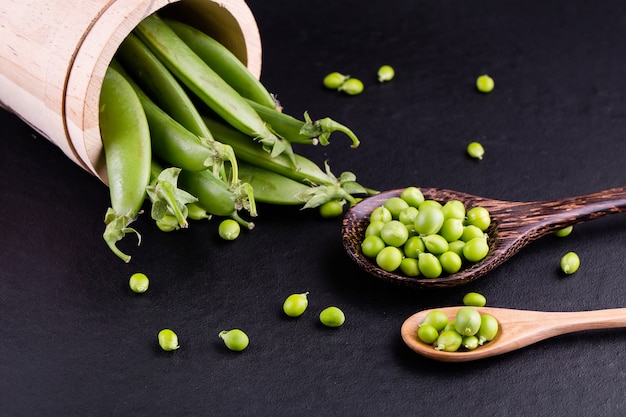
516 329
513 226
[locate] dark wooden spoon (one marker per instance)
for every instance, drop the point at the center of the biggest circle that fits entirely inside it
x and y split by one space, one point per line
513 226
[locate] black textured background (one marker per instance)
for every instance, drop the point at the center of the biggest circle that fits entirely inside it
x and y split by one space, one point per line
74 341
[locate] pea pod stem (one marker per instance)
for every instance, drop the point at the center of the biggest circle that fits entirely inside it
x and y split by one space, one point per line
224 63
160 85
167 199
218 198
308 172
193 72
304 132
126 141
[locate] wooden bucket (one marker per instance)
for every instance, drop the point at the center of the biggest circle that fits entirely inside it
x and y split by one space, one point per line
54 54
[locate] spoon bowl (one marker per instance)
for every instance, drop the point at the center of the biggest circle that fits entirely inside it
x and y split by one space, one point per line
517 329
513 226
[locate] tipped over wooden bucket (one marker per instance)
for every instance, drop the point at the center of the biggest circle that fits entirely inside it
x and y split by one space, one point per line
54 54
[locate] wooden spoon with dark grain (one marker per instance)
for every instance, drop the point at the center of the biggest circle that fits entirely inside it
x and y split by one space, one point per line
516 329
513 226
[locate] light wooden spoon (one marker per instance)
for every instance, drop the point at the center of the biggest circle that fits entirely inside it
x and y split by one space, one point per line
517 329
514 225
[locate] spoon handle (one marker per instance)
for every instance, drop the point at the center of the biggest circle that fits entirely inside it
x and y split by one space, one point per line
534 326
545 217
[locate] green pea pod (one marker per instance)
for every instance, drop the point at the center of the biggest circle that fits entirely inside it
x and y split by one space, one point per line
272 188
205 83
218 198
160 85
178 146
305 132
251 152
224 63
126 140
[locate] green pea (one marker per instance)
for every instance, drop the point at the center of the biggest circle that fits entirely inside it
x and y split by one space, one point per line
229 229
471 232
430 203
394 233
352 86
395 205
470 342
408 215
331 209
485 84
566 231
429 220
295 304
475 150
479 217
488 328
235 339
449 341
429 265
413 196
451 262
389 258
334 80
570 262
382 214
474 299
427 334
139 282
410 267
167 223
467 321
372 245
450 326
374 228
413 247
476 249
332 317
168 340
435 244
456 247
451 229
436 318
386 73
453 209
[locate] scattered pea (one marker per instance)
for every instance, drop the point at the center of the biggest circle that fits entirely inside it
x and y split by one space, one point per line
332 317
168 340
475 150
334 80
386 73
485 84
570 262
235 339
352 86
229 229
566 231
139 282
295 304
474 299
